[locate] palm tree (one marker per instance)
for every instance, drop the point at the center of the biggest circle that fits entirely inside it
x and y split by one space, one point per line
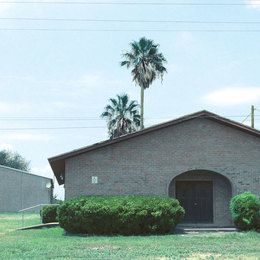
122 116
147 65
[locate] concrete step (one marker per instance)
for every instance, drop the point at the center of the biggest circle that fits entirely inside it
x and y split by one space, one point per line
47 225
183 230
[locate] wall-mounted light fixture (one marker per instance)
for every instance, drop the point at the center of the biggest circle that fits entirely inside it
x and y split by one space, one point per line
48 185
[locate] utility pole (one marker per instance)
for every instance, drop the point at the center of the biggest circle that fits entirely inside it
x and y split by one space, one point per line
253 116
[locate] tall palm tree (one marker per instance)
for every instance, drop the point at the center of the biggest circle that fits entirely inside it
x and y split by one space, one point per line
147 65
122 116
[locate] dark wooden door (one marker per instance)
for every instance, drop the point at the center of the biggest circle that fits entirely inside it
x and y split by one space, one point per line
197 199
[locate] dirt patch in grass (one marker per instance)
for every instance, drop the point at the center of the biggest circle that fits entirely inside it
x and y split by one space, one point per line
105 248
204 256
8 217
18 216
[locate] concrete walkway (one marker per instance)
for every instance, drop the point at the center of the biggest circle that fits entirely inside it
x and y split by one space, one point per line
177 230
47 225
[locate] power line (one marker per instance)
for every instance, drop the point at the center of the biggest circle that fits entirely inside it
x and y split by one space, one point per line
97 119
52 128
128 3
44 118
126 20
82 119
70 127
246 118
130 30
56 128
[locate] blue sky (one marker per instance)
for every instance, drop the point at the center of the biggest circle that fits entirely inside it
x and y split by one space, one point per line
72 74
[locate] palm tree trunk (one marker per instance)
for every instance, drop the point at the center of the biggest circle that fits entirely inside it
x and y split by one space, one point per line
142 108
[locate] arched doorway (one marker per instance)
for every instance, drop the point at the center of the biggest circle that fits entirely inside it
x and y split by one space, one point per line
205 195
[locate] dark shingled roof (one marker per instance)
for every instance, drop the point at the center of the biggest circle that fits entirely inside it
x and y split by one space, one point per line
58 162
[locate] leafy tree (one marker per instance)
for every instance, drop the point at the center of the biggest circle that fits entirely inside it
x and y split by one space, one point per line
147 64
122 116
14 160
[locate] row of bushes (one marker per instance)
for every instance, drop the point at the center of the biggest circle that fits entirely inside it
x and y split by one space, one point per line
125 215
129 215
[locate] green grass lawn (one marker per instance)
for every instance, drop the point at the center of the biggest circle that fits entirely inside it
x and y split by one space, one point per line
12 221
55 244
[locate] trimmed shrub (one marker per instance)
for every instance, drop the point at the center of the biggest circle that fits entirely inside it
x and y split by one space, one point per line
245 210
49 214
125 215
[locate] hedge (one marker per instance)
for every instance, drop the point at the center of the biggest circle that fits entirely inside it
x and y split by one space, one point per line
125 215
245 210
49 214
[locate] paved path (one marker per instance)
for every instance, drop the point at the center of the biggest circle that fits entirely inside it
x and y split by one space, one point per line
48 225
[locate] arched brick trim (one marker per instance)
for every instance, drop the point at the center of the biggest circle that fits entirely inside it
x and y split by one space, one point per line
171 179
222 193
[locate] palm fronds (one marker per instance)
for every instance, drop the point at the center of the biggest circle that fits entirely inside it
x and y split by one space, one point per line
146 62
122 116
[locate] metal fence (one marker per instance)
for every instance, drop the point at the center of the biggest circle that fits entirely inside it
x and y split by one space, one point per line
31 216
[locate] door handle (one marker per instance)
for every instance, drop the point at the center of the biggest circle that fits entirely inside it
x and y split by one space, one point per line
195 204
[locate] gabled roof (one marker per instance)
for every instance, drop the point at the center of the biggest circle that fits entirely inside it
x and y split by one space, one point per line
58 162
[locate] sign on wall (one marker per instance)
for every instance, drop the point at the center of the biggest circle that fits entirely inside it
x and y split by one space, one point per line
94 180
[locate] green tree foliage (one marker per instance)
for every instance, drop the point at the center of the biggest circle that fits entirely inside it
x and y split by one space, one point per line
122 116
14 160
125 215
147 64
245 210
